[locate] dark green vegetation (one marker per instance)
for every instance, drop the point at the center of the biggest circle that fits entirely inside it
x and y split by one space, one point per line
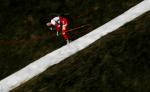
119 62
24 37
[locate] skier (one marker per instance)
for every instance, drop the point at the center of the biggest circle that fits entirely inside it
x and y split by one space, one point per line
60 23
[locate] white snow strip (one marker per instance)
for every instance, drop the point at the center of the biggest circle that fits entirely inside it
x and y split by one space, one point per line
62 53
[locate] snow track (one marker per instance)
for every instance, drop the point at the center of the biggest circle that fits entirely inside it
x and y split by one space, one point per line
62 53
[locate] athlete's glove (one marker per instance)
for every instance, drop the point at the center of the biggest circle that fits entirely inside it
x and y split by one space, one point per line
51 28
57 34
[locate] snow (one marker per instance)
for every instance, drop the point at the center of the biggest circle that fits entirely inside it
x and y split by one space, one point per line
62 53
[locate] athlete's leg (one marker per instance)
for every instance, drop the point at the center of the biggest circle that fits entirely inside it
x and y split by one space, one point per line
64 33
57 28
65 36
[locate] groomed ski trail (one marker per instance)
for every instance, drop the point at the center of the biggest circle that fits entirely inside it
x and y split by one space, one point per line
62 53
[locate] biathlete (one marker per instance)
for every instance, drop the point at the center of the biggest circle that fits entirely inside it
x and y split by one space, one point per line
61 24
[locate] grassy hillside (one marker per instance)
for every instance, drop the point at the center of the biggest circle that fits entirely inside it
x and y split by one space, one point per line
24 37
119 62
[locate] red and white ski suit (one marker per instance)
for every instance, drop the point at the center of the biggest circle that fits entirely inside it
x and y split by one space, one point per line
60 23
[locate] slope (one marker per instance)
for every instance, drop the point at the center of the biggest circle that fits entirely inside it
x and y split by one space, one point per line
119 62
24 37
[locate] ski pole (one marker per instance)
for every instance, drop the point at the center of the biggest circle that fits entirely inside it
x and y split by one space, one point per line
78 27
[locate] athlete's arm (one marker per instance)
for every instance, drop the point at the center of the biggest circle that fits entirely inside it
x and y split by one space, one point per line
49 24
